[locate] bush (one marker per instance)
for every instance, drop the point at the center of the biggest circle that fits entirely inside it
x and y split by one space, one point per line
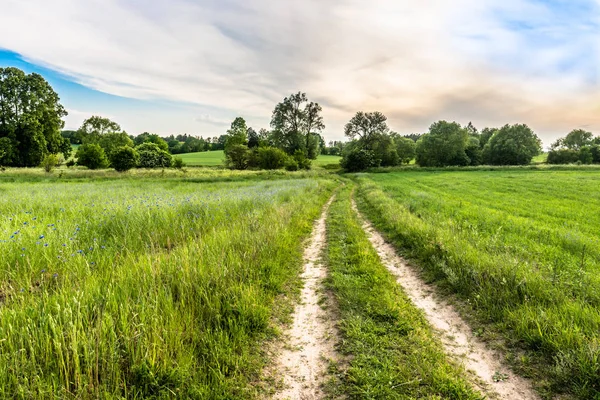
91 156
124 158
151 156
271 158
49 162
563 156
512 145
237 156
358 159
178 163
70 163
291 165
302 160
585 155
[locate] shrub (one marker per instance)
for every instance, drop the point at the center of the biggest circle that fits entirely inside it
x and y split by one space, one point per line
151 156
358 159
70 163
124 158
91 156
563 156
271 158
178 163
291 165
49 162
237 156
302 160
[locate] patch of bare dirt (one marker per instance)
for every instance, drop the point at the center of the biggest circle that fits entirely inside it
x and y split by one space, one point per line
311 340
493 378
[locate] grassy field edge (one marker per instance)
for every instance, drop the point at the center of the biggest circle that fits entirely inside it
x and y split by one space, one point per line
488 297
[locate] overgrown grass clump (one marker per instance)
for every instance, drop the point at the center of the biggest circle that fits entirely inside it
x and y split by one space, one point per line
391 350
520 246
145 288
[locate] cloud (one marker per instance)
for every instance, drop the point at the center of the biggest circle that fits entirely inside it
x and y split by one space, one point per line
484 60
209 119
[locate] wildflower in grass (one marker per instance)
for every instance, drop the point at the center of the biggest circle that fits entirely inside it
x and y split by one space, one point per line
55 275
41 236
43 271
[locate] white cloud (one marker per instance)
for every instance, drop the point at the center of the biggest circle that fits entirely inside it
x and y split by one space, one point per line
415 61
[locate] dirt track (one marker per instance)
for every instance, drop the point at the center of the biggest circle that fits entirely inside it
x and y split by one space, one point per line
311 339
492 377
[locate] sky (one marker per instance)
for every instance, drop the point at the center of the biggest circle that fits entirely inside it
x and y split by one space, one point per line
192 66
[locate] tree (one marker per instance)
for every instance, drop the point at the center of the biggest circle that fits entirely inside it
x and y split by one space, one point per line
151 138
367 127
485 136
237 134
112 141
30 118
91 155
124 158
295 121
237 156
512 145
94 127
152 156
443 146
575 140
356 158
253 138
72 136
474 151
405 148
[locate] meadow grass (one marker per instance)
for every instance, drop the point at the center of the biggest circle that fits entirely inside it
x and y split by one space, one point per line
520 246
390 348
145 286
217 158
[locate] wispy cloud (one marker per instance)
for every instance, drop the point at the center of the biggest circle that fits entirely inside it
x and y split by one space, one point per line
482 60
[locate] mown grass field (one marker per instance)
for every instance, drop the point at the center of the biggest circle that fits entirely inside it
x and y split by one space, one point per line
521 247
146 286
216 158
203 159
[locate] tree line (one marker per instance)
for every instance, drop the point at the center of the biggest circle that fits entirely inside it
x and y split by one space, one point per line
373 144
577 147
31 123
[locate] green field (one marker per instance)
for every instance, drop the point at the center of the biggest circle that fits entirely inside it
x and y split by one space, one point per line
216 158
139 288
174 283
203 159
520 247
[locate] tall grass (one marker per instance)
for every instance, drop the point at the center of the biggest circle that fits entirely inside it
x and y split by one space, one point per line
145 288
392 352
521 247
